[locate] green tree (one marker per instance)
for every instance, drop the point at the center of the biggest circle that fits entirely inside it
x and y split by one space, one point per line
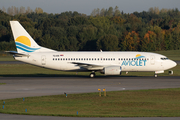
131 41
117 12
168 40
73 44
148 42
110 12
159 41
108 43
38 10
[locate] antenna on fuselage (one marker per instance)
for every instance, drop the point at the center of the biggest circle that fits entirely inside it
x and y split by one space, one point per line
100 50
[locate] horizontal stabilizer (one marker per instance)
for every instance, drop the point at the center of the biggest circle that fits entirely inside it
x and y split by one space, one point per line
16 53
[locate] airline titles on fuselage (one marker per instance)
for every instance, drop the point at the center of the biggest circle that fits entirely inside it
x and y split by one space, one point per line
134 63
138 61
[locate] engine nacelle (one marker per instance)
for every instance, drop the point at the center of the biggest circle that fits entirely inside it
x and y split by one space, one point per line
112 70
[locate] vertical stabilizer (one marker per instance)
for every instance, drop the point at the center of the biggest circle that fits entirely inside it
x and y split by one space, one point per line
24 42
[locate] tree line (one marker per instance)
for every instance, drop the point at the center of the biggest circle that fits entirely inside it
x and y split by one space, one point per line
13 10
106 29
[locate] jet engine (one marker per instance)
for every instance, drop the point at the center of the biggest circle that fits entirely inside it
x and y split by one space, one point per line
112 70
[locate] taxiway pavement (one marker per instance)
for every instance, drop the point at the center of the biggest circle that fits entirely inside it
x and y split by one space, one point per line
17 87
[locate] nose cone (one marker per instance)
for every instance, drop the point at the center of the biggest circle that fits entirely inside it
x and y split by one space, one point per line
169 64
173 64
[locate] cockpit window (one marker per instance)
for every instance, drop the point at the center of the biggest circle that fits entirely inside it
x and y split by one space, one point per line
164 58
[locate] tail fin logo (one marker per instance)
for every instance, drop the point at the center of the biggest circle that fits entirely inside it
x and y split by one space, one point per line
23 43
138 56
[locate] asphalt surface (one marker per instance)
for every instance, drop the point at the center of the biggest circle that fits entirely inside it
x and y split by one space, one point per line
17 87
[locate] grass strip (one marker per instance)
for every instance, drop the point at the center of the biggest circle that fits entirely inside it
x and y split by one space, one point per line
137 103
7 58
2 83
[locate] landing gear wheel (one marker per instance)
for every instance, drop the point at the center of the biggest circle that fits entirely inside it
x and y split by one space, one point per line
92 75
155 75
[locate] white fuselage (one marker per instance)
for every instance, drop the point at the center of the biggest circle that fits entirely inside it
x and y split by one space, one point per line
128 61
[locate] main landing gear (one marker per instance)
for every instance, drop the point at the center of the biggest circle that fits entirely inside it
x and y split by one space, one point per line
92 75
155 75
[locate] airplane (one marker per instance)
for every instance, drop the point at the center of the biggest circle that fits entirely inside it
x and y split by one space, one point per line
107 63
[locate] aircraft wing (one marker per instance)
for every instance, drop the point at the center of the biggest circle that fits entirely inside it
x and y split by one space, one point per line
89 66
16 53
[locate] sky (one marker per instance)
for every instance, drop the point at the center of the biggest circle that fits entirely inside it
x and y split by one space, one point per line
87 6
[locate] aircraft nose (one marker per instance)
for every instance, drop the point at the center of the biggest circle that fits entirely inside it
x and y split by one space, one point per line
173 64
